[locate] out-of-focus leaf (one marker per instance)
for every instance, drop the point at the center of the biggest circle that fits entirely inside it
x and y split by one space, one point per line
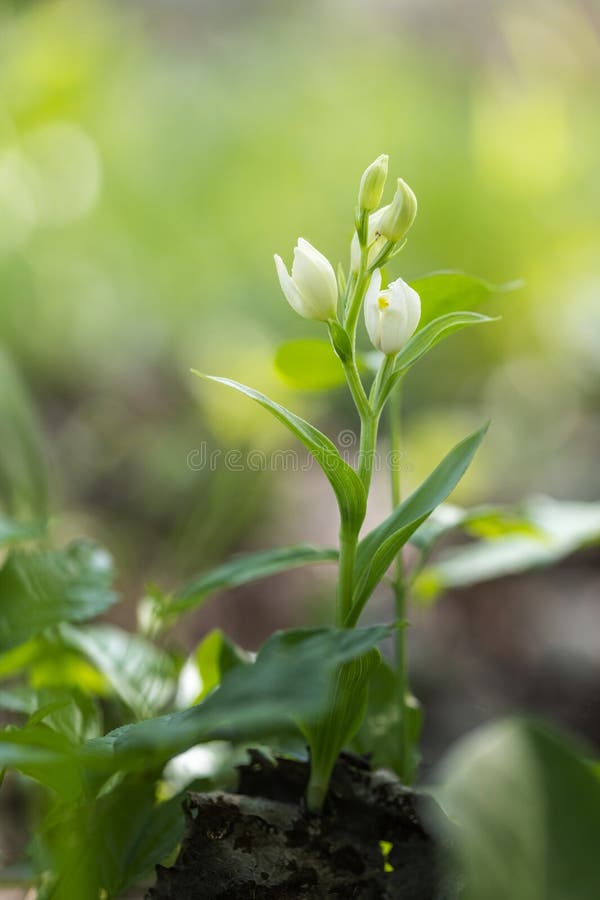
346 484
448 292
489 522
47 663
289 681
557 529
69 713
527 809
425 339
379 548
12 532
105 847
140 674
23 488
309 365
243 570
47 587
379 733
205 668
44 755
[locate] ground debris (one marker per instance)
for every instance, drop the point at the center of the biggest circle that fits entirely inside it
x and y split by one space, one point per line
262 844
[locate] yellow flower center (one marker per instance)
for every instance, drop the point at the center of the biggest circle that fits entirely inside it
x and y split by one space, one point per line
382 303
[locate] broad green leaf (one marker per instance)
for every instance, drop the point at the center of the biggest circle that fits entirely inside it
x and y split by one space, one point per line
309 365
425 339
346 484
379 733
556 529
329 734
205 668
46 587
43 754
12 532
526 804
104 847
448 292
141 674
379 548
69 713
288 682
47 663
243 570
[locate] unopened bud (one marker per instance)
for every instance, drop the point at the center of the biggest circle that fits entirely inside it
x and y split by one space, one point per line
400 214
372 184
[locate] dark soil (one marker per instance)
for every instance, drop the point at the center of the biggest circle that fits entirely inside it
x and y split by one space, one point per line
262 844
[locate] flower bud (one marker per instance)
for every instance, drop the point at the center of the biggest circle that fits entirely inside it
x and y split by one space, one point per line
311 289
372 184
400 214
375 240
391 315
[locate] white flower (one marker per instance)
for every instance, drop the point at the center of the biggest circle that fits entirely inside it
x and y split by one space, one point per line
391 315
311 289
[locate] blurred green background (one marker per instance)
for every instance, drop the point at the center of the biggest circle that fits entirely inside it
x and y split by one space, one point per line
153 157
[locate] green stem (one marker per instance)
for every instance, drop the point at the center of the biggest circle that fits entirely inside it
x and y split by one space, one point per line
368 443
356 387
400 593
348 544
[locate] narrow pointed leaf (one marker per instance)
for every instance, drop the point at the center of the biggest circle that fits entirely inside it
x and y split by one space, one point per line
346 484
243 570
377 550
426 338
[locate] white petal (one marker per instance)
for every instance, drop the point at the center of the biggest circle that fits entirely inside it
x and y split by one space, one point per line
372 311
290 291
315 279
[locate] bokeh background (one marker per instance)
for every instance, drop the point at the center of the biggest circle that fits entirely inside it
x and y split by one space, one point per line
153 157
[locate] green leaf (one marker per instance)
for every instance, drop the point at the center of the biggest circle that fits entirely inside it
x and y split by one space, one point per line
208 664
43 754
425 339
379 548
527 807
47 587
12 532
104 847
345 711
346 484
448 292
23 488
70 713
243 570
556 529
288 682
140 674
379 733
309 365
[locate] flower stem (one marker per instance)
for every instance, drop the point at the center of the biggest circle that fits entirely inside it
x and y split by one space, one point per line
348 544
400 594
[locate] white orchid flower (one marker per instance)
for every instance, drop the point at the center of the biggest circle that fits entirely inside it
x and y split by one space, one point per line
311 289
391 315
